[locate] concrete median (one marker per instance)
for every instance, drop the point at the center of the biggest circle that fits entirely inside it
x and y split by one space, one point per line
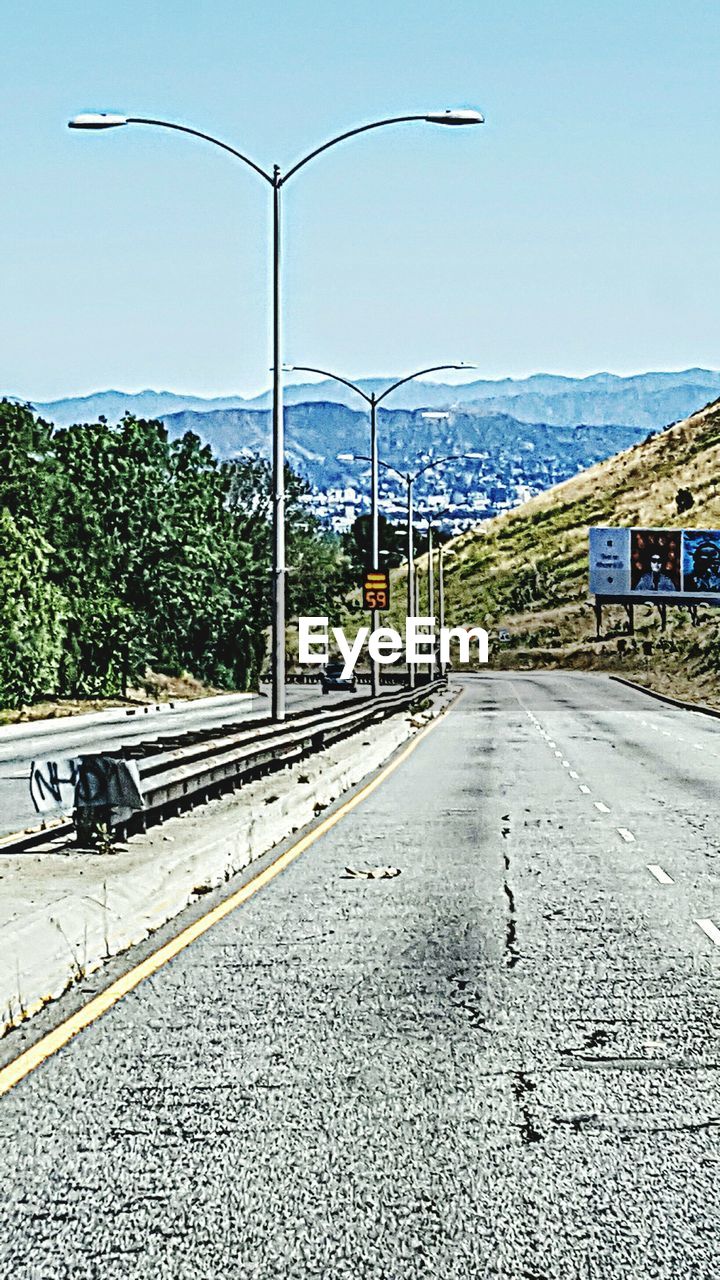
64 913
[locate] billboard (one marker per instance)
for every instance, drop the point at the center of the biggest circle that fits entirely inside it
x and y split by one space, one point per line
643 563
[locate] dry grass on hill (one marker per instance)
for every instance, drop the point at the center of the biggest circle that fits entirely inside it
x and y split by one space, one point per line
527 570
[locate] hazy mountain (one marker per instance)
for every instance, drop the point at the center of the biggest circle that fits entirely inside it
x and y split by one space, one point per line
642 400
316 434
636 405
113 404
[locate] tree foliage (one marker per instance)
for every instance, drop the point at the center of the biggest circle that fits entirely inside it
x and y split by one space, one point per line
121 549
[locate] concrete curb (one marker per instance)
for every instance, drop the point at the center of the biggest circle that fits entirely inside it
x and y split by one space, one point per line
114 715
95 906
664 697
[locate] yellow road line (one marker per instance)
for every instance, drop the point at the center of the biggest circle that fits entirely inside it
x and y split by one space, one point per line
48 1045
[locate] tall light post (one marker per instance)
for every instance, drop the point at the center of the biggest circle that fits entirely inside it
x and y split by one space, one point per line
432 520
373 399
408 479
277 180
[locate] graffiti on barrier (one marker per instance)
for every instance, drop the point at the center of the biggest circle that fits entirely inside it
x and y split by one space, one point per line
92 781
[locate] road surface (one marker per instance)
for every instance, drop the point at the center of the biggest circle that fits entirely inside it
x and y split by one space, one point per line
70 736
502 1063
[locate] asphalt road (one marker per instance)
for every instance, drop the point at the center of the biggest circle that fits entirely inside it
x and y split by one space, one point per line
503 1063
70 736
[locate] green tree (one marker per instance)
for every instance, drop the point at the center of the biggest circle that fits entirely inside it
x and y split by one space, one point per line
123 550
31 614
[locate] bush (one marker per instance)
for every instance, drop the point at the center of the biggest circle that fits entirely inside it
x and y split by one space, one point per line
31 614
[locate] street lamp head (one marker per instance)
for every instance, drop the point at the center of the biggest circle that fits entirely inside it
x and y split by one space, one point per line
96 120
459 116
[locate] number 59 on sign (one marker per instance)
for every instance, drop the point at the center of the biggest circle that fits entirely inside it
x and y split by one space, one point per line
376 589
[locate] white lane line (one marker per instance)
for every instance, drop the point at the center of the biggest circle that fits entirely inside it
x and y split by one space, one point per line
565 764
585 790
551 743
627 836
659 874
698 747
574 775
666 732
601 808
558 754
711 930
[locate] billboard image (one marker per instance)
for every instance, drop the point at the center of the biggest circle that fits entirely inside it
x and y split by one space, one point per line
701 561
643 563
655 563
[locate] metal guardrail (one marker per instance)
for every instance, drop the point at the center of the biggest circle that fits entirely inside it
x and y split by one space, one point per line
178 773
361 677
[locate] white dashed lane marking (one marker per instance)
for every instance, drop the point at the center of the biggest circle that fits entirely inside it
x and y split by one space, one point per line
601 808
626 835
585 790
659 874
574 775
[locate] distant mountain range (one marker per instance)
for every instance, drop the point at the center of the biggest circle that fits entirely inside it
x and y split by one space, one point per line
648 400
524 435
320 436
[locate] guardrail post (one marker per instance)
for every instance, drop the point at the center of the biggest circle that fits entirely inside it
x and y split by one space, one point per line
92 825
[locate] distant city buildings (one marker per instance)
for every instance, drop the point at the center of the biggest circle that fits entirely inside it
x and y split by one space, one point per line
459 497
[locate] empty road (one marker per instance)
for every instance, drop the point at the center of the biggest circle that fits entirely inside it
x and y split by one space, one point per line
502 1063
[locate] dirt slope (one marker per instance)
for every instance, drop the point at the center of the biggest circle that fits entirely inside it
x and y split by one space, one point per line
527 570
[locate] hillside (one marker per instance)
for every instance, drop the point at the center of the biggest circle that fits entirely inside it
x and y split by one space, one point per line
526 571
507 461
320 434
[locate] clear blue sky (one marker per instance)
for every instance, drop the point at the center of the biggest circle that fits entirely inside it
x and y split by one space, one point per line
579 229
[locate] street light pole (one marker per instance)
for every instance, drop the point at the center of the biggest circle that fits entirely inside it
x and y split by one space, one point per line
375 520
411 568
431 591
373 399
440 665
278 474
106 120
413 582
441 603
431 580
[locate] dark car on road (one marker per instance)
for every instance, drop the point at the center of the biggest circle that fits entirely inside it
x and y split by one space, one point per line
331 677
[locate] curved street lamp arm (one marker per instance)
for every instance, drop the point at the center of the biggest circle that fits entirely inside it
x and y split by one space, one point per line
436 462
325 373
351 133
436 517
435 368
361 457
206 137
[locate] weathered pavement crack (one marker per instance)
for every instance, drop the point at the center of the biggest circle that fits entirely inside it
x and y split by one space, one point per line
512 954
522 1085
